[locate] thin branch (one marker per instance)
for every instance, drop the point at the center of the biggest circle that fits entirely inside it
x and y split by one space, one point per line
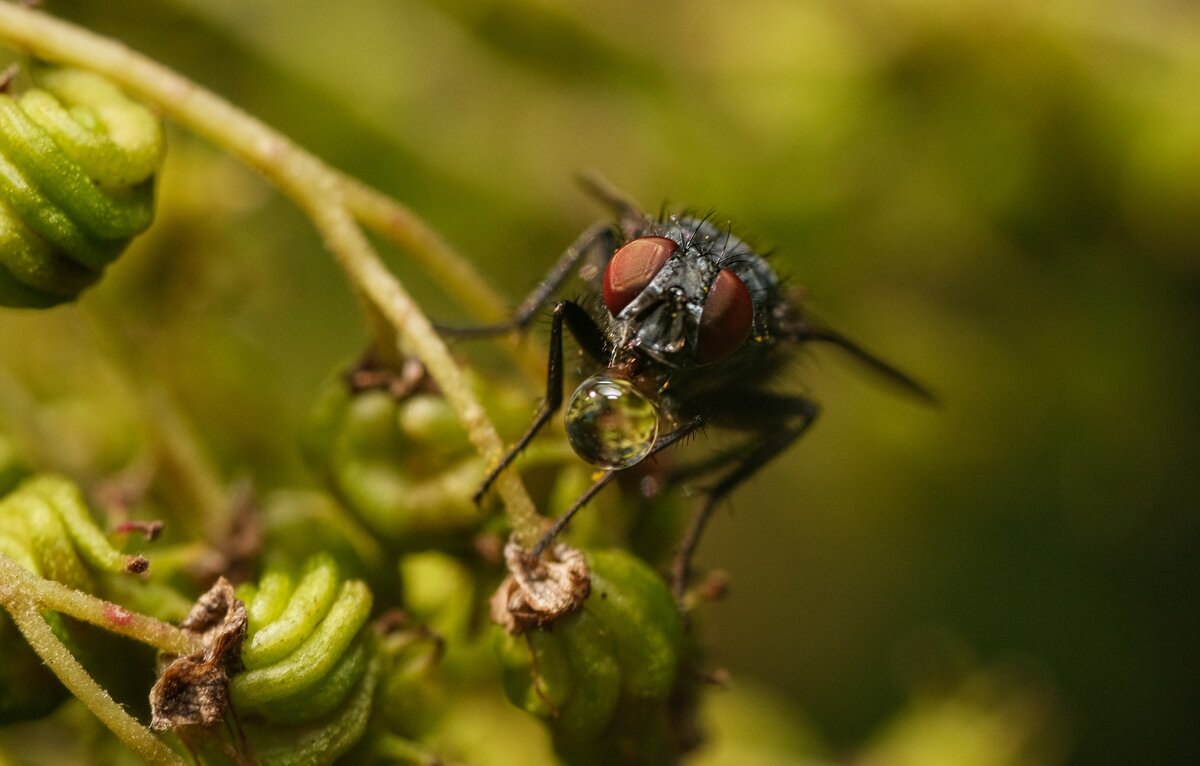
49 594
353 252
73 675
401 226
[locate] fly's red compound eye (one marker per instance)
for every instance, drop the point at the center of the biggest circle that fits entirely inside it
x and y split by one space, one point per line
631 269
728 315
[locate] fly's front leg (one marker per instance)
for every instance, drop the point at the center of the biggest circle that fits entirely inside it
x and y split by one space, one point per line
591 339
778 421
597 238
659 445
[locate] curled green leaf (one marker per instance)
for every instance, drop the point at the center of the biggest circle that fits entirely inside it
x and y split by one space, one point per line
77 164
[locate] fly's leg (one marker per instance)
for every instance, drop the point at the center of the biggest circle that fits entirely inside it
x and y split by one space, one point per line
562 521
597 238
591 339
630 218
779 421
659 445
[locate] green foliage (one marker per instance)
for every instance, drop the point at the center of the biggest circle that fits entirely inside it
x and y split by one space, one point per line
1000 198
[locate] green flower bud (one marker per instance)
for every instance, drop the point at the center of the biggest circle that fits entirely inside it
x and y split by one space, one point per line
310 665
600 675
637 609
414 693
297 642
45 526
397 457
77 164
322 740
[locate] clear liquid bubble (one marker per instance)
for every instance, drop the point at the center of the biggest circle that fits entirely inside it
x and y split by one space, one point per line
610 423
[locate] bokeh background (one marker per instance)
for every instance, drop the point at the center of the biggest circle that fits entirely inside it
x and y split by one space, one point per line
1003 198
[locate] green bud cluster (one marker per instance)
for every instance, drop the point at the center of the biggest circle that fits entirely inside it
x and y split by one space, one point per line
311 664
601 677
401 462
77 165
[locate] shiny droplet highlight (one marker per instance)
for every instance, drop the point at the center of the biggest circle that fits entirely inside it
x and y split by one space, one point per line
610 423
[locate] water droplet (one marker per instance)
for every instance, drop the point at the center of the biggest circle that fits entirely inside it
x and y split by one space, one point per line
610 423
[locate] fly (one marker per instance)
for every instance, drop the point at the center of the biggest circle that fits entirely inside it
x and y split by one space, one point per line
686 328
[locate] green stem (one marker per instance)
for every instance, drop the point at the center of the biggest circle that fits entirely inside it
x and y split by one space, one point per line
384 215
19 584
387 217
316 188
353 252
73 675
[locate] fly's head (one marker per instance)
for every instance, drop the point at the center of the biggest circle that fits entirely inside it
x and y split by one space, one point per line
674 307
675 304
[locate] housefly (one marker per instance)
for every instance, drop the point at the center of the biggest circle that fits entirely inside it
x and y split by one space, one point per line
686 328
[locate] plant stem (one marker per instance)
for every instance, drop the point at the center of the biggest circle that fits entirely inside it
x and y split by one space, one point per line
389 218
354 254
319 190
384 215
73 675
23 585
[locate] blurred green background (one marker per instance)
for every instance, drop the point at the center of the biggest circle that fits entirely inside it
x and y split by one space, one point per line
1003 198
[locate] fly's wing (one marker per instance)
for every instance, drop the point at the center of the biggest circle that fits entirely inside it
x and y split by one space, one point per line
793 326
